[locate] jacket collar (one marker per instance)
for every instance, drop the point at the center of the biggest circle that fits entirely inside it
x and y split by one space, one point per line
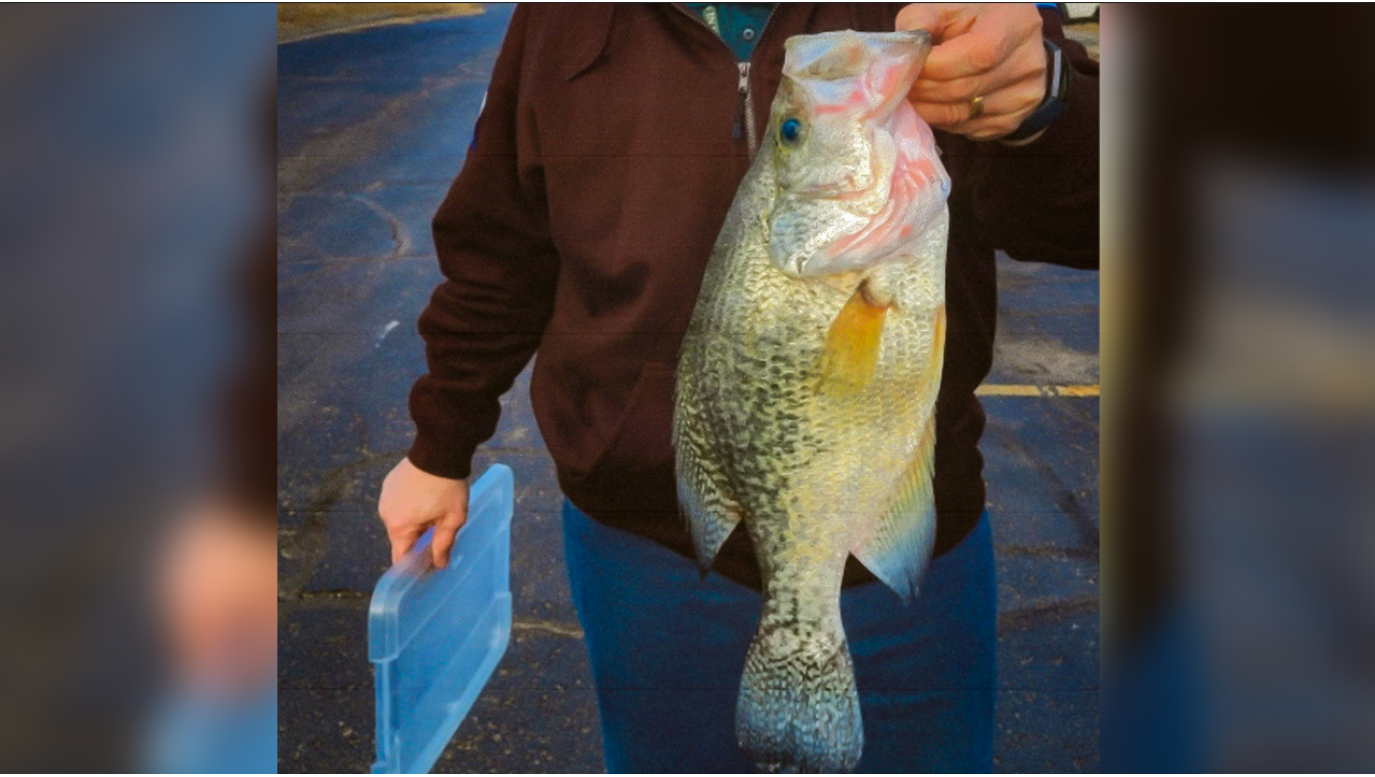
602 18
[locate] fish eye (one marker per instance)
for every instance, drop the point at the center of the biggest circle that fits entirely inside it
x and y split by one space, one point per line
790 130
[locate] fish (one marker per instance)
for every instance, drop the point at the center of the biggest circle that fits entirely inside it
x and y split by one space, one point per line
804 402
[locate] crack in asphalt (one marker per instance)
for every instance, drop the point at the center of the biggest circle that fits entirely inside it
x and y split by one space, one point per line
521 624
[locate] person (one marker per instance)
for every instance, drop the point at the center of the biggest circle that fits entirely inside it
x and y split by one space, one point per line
602 167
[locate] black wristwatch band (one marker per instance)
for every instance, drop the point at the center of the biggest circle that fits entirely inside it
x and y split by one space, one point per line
1055 102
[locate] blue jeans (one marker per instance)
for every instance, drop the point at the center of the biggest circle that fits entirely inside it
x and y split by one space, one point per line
668 649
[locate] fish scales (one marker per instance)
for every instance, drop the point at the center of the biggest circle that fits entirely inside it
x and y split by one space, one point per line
807 380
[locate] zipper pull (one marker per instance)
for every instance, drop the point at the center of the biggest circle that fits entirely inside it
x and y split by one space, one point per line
744 122
738 130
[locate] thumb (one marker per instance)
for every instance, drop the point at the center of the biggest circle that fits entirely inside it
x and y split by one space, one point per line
936 18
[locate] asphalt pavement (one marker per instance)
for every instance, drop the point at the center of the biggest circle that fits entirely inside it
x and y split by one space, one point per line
372 128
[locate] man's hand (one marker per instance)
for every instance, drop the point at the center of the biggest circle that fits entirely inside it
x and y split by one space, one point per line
413 501
993 51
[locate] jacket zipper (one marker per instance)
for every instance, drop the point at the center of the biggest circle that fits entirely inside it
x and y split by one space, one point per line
747 108
744 115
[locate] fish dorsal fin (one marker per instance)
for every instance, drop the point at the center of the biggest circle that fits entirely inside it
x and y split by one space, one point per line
850 356
900 547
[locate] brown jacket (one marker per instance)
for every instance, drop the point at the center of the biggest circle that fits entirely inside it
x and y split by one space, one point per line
602 168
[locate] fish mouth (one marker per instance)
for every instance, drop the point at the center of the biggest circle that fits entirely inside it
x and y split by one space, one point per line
874 210
885 116
842 53
882 64
909 52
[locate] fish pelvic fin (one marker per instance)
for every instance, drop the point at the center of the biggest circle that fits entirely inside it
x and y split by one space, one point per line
798 710
711 515
710 519
850 356
900 548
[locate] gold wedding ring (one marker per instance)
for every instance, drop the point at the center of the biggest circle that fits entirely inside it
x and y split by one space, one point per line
976 107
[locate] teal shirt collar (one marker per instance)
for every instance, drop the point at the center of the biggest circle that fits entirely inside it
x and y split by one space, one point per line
737 24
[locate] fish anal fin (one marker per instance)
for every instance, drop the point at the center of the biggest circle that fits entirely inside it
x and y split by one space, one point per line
900 548
850 356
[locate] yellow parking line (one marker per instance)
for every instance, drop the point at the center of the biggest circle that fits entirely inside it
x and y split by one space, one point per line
1008 390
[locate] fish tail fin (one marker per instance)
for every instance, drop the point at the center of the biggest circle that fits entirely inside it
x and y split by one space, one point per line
850 358
798 709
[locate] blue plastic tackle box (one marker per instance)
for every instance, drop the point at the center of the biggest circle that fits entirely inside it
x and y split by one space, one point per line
436 635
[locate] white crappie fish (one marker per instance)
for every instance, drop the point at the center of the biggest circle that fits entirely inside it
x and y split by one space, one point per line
805 402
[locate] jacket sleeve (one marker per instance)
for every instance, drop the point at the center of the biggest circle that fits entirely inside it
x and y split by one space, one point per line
1039 201
485 320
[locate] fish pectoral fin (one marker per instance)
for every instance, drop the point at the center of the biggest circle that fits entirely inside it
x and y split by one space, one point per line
710 516
850 357
900 547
